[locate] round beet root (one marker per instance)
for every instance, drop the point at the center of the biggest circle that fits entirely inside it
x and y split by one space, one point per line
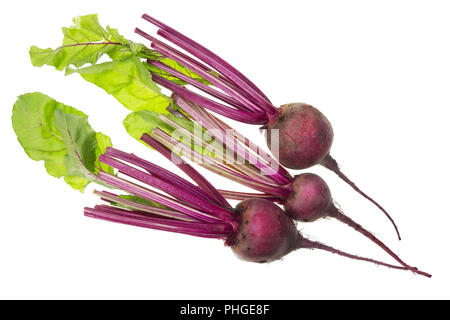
305 136
265 232
310 198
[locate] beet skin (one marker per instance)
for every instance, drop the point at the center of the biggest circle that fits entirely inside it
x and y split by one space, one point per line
305 136
310 198
265 232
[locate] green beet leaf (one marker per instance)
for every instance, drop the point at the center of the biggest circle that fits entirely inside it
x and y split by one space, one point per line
129 82
126 75
85 42
60 136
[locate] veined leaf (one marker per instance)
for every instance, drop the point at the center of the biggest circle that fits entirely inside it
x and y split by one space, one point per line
126 77
60 136
85 42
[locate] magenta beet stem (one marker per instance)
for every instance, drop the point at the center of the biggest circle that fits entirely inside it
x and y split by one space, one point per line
214 61
127 217
205 88
168 188
148 209
145 193
245 196
161 173
212 124
194 65
238 115
186 168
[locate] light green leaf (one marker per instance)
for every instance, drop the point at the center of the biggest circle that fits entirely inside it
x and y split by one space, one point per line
129 82
80 143
103 142
140 122
78 183
60 136
85 42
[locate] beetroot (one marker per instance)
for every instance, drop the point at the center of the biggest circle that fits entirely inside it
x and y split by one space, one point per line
305 135
265 232
310 198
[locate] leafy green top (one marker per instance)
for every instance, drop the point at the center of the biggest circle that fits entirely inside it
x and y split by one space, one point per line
60 136
85 42
126 76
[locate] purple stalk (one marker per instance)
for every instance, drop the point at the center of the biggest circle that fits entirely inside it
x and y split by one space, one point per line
244 102
259 102
199 114
260 152
180 194
245 196
261 160
205 88
246 181
251 101
200 69
162 174
110 197
186 168
213 60
249 169
211 122
238 115
219 168
178 53
143 192
199 226
120 216
163 47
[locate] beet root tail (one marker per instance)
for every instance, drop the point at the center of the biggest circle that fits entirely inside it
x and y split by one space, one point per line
335 213
308 244
332 165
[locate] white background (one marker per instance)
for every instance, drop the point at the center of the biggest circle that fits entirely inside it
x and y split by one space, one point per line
379 70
